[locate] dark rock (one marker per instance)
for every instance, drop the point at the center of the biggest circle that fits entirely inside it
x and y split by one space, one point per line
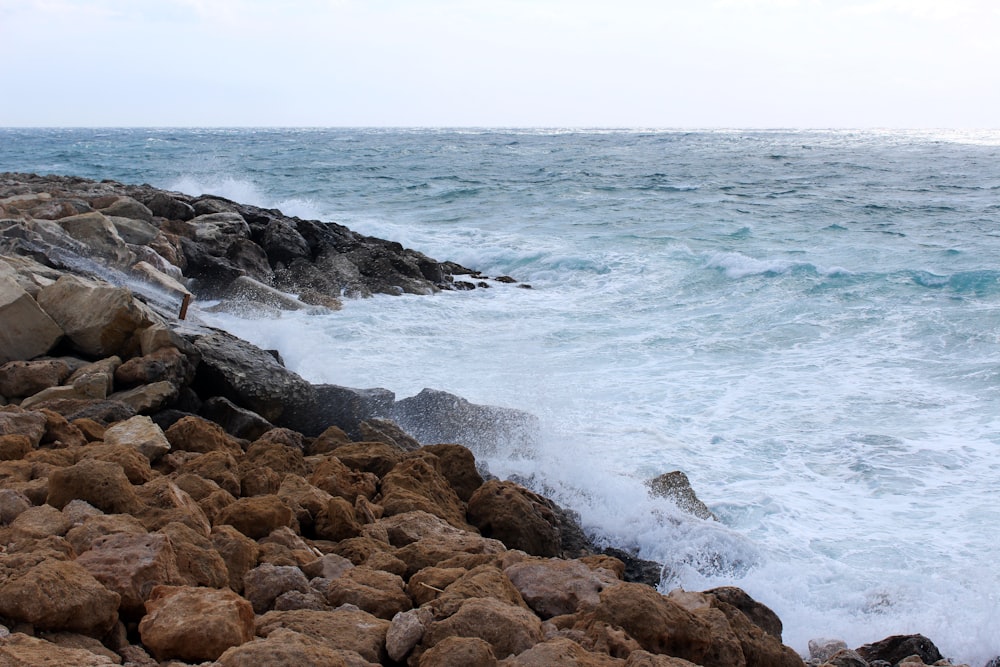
895 648
344 407
237 421
637 570
283 243
519 518
164 205
675 486
759 614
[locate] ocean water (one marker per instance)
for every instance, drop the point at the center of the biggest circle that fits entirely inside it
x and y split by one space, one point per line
807 323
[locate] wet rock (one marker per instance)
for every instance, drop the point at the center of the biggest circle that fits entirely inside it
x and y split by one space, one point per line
847 658
676 487
516 516
759 614
97 232
195 624
343 407
148 397
387 431
236 421
895 648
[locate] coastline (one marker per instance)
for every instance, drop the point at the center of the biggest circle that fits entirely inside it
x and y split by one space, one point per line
208 253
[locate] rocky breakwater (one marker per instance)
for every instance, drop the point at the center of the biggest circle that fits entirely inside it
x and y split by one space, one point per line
159 506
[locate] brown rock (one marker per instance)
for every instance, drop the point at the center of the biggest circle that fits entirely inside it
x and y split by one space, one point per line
332 476
483 581
282 648
759 648
238 552
38 522
198 560
517 517
166 363
893 649
263 584
166 502
409 527
336 521
759 614
553 587
131 565
459 652
98 319
430 582
14 446
215 502
458 465
508 629
327 566
647 659
135 465
274 456
415 484
195 624
282 436
19 649
432 551
194 434
140 433
28 330
256 517
12 504
658 624
379 593
387 431
219 466
561 652
59 595
148 398
83 535
374 457
14 420
305 500
340 629
25 378
59 432
101 483
327 441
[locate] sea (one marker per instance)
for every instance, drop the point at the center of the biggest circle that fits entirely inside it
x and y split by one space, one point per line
806 323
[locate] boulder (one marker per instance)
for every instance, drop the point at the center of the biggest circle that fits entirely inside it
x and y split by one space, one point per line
341 629
283 648
14 447
38 523
893 649
194 434
133 232
263 584
434 416
126 207
85 533
98 319
103 484
517 517
283 243
759 614
332 476
389 432
135 465
554 587
459 652
28 331
336 521
195 624
434 550
646 659
164 205
165 502
103 412
26 378
257 516
508 629
20 649
198 561
17 421
561 652
343 407
406 629
458 465
236 421
238 552
377 458
140 433
97 232
131 565
166 363
59 595
675 486
12 504
148 397
59 432
483 581
379 593
415 484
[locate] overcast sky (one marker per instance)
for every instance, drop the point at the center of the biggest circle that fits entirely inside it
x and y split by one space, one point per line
563 63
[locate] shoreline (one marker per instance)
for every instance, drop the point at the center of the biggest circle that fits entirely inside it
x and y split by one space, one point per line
251 394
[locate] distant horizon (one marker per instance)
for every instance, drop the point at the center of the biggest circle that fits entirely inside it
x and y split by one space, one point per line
571 128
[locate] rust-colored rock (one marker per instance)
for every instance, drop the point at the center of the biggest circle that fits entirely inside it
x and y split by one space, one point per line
166 502
507 628
374 457
220 467
256 517
484 581
194 434
517 517
130 565
553 587
19 649
83 535
415 484
332 476
14 446
134 464
198 561
103 484
26 378
459 652
237 551
379 593
561 652
336 521
458 465
195 624
282 648
340 629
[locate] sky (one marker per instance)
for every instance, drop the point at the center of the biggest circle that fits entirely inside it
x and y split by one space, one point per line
501 63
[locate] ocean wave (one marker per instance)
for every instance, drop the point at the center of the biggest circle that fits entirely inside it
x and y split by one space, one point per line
737 266
978 283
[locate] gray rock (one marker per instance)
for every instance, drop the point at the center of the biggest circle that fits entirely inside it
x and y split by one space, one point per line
126 207
27 331
675 486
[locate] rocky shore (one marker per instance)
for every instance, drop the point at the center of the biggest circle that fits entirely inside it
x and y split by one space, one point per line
172 495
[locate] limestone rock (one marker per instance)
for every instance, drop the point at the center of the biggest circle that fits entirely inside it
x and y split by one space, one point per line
12 504
198 561
263 584
59 595
126 207
415 484
759 614
131 565
98 319
164 205
101 483
19 649
561 652
148 397
379 593
141 433
14 447
676 487
165 502
332 476
517 517
194 434
336 521
17 421
256 517
135 465
554 587
483 581
39 522
459 652
26 378
84 534
282 648
341 629
508 629
219 466
434 550
195 624
458 465
377 458
237 551
166 363
28 331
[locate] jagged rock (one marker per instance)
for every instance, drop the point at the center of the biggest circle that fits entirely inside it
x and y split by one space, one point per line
132 231
459 652
336 520
101 483
434 550
274 456
415 484
238 552
282 647
406 629
821 649
387 431
646 659
895 648
59 595
100 236
434 416
26 378
341 629
847 658
516 516
236 421
484 581
379 593
164 205
458 465
20 649
135 465
332 476
12 504
165 502
377 458
17 421
637 570
508 629
676 487
759 614
194 434
343 407
195 624
198 561
39 523
148 397
553 587
218 466
140 433
256 517
126 207
84 535
131 564
105 412
14 447
263 584
561 652
98 319
166 363
59 432
283 243
28 331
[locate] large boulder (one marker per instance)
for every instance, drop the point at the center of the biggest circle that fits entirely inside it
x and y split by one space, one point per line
98 319
103 484
416 484
508 629
894 649
553 587
343 407
20 649
517 517
100 236
131 565
561 652
283 648
140 433
341 629
195 624
381 594
25 378
28 331
257 516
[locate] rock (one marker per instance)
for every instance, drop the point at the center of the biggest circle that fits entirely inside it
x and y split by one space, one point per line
341 629
335 478
133 232
19 649
508 629
254 293
484 581
103 412
336 521
256 517
59 595
238 552
561 652
636 570
895 648
379 593
458 465
274 456
135 465
343 407
218 466
141 433
847 658
646 659
163 205
198 561
415 484
387 431
195 624
12 504
377 458
14 447
434 416
459 652
17 421
26 378
38 523
405 631
554 587
236 421
126 207
60 433
101 483
282 648
84 534
675 486
517 517
194 434
131 565
248 376
759 614
263 584
434 550
28 330
821 649
166 502
283 243
148 397
98 319
97 232
166 363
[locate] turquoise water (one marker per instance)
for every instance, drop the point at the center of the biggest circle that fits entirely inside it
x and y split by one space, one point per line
806 323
